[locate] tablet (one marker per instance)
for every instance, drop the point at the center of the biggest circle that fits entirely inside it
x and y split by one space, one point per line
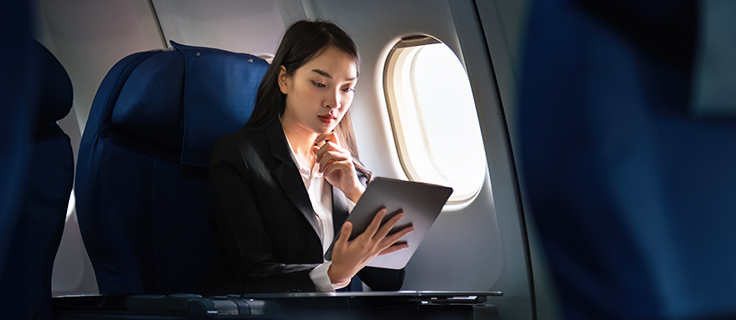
420 202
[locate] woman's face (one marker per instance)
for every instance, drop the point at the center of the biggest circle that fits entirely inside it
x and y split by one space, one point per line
320 92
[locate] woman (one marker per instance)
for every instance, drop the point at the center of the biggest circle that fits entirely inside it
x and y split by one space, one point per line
284 184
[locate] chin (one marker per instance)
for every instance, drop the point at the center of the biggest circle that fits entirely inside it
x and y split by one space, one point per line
325 129
321 130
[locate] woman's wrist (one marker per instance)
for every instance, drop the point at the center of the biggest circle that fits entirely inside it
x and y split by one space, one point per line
334 280
355 194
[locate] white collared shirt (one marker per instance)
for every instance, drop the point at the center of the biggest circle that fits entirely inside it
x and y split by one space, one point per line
320 195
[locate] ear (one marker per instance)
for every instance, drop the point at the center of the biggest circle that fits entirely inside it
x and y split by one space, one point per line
283 80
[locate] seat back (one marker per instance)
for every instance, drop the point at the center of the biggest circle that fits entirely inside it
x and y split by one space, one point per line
25 283
18 81
634 196
142 178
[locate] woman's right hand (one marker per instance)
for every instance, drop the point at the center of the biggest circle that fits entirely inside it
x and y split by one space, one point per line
348 257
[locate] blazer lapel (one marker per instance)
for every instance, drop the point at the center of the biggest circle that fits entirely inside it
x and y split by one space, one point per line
339 209
288 176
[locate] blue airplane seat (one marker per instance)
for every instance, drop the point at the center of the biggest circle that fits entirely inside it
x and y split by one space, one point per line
142 176
18 82
25 283
633 194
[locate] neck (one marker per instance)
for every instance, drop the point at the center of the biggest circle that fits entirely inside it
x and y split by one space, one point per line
300 138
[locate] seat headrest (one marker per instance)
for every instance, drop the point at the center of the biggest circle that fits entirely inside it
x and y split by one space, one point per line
149 105
185 99
55 92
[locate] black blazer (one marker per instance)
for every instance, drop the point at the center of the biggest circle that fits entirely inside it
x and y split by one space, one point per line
264 222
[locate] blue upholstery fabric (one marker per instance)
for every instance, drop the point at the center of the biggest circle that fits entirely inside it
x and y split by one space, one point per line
142 202
146 104
219 97
18 83
25 284
634 198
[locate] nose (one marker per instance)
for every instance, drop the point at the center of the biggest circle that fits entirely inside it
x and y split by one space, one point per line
332 101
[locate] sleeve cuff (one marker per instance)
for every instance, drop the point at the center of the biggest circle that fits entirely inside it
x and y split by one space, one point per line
351 205
322 280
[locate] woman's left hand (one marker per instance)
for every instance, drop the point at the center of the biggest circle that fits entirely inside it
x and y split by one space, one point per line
336 163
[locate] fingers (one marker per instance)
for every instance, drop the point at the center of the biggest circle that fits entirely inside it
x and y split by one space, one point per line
353 255
378 234
375 224
328 142
391 240
386 228
334 158
390 244
394 248
325 142
330 153
330 149
342 240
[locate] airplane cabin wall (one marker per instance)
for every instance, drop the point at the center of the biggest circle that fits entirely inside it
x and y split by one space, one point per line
253 27
504 25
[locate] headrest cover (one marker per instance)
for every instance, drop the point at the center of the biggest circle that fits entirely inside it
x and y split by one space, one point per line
56 93
185 99
219 95
149 105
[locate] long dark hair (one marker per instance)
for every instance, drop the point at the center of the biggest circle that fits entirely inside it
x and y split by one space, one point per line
303 41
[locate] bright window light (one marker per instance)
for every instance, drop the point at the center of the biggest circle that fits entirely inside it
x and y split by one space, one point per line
433 117
71 206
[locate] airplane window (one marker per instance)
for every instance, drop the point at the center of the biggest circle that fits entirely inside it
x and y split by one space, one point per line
433 116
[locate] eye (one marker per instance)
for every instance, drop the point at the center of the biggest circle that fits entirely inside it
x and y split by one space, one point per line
348 90
318 85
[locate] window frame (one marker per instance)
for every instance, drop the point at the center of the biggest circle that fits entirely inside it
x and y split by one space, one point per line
399 55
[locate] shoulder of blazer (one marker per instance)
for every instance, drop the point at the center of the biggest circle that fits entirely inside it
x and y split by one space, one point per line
253 145
235 145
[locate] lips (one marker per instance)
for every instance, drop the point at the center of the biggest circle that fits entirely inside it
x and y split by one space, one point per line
327 118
